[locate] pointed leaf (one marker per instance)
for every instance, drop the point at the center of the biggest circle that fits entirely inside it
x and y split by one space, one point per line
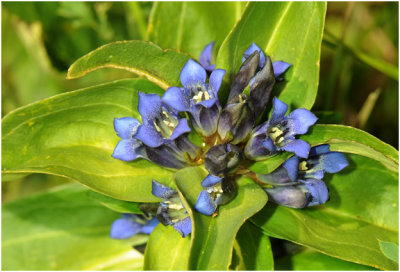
139 57
72 135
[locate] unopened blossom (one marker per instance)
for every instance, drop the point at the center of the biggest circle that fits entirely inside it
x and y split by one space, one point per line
131 224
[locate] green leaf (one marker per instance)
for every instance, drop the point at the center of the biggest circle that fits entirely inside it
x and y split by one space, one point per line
288 31
115 204
62 230
343 139
213 237
253 249
189 26
139 57
307 260
72 135
363 210
390 250
167 250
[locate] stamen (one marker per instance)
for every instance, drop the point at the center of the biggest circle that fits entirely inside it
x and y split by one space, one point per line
303 166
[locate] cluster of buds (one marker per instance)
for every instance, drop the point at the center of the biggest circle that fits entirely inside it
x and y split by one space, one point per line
231 135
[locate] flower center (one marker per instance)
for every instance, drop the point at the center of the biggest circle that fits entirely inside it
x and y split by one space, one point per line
199 93
165 124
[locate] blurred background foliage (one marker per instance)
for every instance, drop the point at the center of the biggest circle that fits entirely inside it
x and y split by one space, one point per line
40 40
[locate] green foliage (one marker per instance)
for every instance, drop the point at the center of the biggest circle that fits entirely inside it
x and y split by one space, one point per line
289 31
197 24
115 204
213 237
311 260
139 57
72 135
363 210
167 250
390 250
63 230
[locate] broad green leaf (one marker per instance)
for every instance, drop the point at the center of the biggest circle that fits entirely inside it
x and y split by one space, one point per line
62 230
72 135
362 211
253 249
307 260
390 250
343 139
167 250
288 31
189 26
115 204
139 57
213 237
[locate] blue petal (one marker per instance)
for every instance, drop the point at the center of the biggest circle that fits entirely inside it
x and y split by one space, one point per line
127 150
319 150
184 227
160 190
126 127
302 120
192 73
205 204
279 109
149 136
318 191
124 228
216 79
290 196
149 226
292 167
181 128
208 103
176 98
333 162
210 180
206 56
299 147
253 47
149 106
280 67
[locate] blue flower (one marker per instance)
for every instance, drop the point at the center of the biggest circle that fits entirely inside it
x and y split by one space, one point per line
160 122
223 159
171 211
278 133
129 148
297 182
197 97
279 67
131 224
206 57
219 191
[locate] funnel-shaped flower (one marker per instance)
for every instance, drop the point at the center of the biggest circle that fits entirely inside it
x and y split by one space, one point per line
223 159
198 98
218 191
278 133
160 122
171 211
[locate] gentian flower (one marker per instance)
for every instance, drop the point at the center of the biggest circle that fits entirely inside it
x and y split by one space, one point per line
129 148
197 97
278 133
160 122
297 182
131 224
171 211
206 57
219 191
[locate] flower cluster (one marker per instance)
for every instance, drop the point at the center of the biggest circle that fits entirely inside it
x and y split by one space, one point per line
231 134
